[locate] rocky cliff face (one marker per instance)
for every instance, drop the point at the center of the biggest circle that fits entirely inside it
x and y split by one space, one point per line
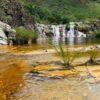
13 13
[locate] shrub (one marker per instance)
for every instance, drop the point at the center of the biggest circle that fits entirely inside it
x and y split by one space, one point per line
93 54
25 36
26 33
67 56
97 34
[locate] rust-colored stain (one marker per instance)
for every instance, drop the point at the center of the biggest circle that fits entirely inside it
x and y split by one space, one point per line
11 77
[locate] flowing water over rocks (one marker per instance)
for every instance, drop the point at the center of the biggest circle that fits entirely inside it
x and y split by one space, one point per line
58 32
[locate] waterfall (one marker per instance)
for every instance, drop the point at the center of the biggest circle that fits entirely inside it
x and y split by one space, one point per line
72 31
58 32
42 35
64 30
73 35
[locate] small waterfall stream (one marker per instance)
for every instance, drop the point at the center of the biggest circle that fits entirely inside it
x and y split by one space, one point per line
60 33
74 32
71 32
74 35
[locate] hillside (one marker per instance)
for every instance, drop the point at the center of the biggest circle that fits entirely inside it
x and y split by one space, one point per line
12 12
62 11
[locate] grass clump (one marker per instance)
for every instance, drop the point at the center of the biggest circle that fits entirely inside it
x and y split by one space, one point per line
25 35
97 34
93 54
66 56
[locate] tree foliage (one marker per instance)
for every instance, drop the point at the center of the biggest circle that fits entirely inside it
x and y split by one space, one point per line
62 11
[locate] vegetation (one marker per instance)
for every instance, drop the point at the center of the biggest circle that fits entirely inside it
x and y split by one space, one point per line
93 54
62 11
97 34
66 56
24 35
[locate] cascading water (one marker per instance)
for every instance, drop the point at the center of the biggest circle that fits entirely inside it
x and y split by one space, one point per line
58 32
64 30
70 34
73 34
41 30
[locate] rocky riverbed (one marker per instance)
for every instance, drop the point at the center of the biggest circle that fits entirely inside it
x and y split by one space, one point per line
65 89
40 77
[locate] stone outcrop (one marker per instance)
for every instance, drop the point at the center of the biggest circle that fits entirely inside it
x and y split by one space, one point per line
6 33
13 13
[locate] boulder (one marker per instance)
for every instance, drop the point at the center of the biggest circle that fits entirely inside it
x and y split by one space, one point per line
6 33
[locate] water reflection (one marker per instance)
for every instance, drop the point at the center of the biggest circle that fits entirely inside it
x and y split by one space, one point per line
73 41
47 43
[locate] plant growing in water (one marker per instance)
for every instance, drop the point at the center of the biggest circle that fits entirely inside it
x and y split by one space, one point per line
67 56
92 56
24 34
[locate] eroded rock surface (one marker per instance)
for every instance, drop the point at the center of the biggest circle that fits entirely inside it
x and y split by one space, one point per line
6 33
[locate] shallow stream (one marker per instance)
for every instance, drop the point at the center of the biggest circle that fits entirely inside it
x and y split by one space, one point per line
17 83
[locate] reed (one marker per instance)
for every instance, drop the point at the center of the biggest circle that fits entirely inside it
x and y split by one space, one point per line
67 56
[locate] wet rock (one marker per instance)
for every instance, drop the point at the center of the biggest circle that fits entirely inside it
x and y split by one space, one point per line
6 33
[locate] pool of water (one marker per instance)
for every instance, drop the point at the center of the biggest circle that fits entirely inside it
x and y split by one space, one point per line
49 43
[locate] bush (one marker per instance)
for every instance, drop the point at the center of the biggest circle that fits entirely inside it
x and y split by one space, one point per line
26 33
25 36
97 34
